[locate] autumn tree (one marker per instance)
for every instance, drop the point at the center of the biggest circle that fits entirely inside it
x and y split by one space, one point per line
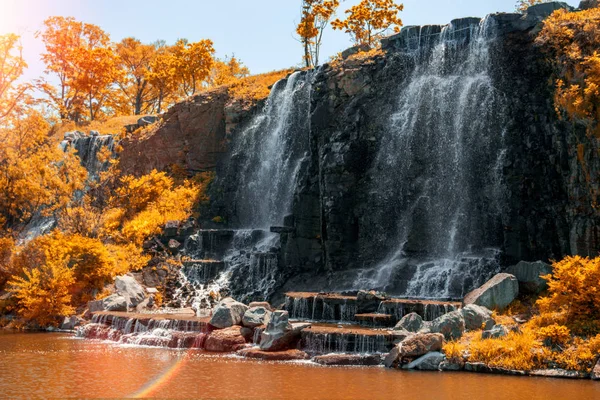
369 20
226 72
162 74
572 40
136 58
315 17
523 5
11 69
192 63
80 56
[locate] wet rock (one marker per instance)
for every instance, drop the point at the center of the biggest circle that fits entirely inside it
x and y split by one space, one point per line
256 316
95 305
496 332
114 302
420 344
559 373
450 366
130 289
69 323
428 362
228 313
497 293
247 333
368 301
482 367
94 133
171 229
596 371
225 340
451 325
400 335
280 334
528 274
264 304
287 355
477 317
391 359
348 359
411 322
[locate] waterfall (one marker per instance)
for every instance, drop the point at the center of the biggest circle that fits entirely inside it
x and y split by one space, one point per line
273 147
436 176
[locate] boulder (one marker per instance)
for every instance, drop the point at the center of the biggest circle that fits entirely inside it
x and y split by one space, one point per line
400 335
451 325
596 371
542 11
354 50
348 359
292 354
496 332
95 305
69 323
391 359
130 289
228 313
450 366
421 344
497 293
528 274
280 334
587 4
256 316
368 301
477 317
428 362
410 322
264 304
225 340
114 302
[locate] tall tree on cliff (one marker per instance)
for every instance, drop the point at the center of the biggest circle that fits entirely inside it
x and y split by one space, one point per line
80 56
192 63
11 68
369 20
315 17
162 75
135 58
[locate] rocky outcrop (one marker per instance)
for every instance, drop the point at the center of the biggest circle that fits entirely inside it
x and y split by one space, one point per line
130 289
414 346
256 316
280 334
228 313
451 325
225 340
477 317
114 302
497 293
596 371
529 276
411 322
428 362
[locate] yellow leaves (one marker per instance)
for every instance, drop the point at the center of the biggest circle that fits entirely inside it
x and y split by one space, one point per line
572 40
367 21
315 17
227 72
256 87
12 65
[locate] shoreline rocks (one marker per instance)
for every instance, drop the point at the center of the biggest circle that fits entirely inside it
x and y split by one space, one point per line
497 293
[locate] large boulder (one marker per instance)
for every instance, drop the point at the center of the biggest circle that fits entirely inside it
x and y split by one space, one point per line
542 11
528 274
451 325
256 316
280 334
428 362
228 313
410 322
225 340
95 305
497 293
114 302
421 344
130 289
69 323
477 317
264 304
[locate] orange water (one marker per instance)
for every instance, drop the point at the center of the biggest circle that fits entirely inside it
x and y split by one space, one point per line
59 366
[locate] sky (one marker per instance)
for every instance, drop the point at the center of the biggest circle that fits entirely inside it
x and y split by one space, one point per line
261 33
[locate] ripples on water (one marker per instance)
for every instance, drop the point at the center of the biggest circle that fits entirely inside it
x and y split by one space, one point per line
59 366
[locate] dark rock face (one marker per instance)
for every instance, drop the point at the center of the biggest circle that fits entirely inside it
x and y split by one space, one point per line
421 172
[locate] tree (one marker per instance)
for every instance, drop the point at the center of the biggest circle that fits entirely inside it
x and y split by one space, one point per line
136 59
11 68
369 20
315 17
523 5
572 40
227 72
80 56
193 63
163 74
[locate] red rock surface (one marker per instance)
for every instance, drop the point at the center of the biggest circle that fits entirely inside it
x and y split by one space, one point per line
348 359
225 340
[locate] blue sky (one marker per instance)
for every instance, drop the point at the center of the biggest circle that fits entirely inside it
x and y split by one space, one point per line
259 32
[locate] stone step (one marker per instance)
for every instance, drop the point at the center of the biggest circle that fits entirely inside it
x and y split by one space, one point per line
332 338
375 319
343 308
203 271
130 322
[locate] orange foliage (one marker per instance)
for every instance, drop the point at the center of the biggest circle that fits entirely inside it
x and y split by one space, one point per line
11 69
256 87
572 39
369 20
315 17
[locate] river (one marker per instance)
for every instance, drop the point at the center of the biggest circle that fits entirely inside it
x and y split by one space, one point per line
57 365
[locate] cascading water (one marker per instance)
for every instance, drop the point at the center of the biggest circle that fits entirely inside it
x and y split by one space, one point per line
437 174
266 158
